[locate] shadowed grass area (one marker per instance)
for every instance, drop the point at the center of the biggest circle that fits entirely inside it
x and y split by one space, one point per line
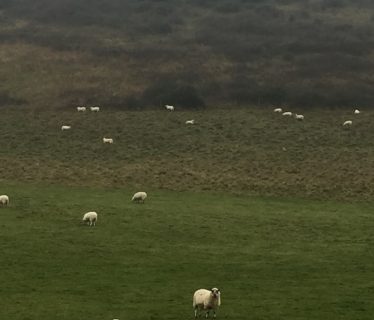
243 150
271 257
216 52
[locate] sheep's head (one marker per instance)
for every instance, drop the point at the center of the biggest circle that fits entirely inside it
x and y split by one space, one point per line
215 292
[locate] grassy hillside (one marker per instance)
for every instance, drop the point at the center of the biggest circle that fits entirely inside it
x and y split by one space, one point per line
247 151
272 258
132 54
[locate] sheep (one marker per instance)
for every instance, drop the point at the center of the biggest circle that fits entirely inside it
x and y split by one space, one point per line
299 117
90 217
347 123
279 110
108 140
204 299
4 200
190 121
96 109
287 113
170 108
139 197
357 111
65 128
81 109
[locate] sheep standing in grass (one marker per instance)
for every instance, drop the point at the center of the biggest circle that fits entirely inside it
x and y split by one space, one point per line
207 300
108 140
287 114
347 123
81 109
95 109
190 121
90 218
4 200
63 128
169 108
139 197
279 110
299 117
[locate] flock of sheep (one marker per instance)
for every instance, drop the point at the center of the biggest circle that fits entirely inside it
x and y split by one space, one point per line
84 109
171 108
300 117
203 300
97 109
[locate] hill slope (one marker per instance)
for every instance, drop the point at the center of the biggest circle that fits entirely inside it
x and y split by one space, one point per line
131 54
246 151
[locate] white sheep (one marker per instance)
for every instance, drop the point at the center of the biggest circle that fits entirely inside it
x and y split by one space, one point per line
190 121
96 109
108 140
4 200
65 128
357 111
279 110
168 107
81 109
287 114
347 123
139 197
204 299
299 117
90 217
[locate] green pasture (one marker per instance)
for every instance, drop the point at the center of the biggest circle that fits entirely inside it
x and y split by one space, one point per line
272 258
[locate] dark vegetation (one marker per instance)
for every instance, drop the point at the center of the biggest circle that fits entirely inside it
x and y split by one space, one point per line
134 54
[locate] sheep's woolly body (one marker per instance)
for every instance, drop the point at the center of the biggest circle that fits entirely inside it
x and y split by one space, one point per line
90 217
108 140
139 196
207 300
4 200
168 107
287 114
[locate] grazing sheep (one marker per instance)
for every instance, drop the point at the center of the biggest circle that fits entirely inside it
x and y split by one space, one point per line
139 197
170 108
299 117
190 121
347 123
204 299
279 110
357 111
96 109
287 113
81 109
90 217
65 128
108 140
4 200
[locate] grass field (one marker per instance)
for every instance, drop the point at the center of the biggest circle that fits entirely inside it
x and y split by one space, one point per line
248 151
272 258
